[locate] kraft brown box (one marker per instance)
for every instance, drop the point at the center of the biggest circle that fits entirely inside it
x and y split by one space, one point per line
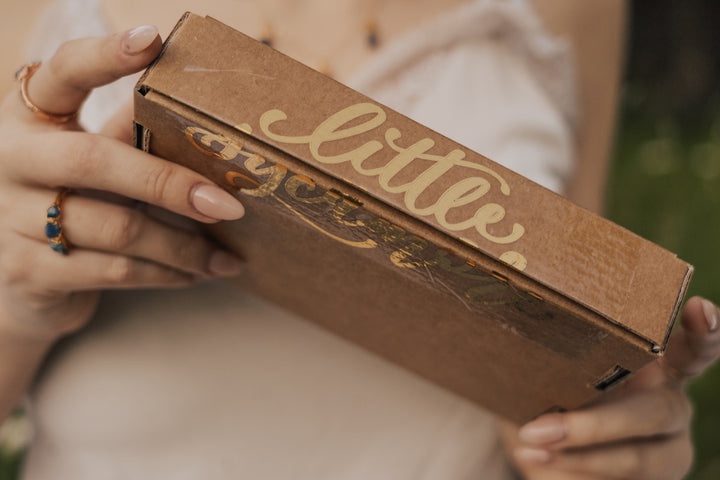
399 239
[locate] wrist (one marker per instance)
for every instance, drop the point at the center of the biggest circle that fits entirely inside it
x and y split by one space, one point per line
22 351
27 334
28 338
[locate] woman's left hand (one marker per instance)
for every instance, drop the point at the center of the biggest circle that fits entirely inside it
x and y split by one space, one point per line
638 431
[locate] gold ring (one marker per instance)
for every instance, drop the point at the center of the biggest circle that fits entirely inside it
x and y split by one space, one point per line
23 76
53 227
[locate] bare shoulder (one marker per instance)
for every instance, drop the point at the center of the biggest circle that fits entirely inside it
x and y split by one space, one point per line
596 29
570 17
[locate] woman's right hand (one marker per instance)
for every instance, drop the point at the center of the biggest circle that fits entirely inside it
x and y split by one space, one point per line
44 294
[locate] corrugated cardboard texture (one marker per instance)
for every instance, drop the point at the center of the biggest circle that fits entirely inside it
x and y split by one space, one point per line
401 240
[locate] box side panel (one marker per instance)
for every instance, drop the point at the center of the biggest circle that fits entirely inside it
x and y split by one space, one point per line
345 266
243 83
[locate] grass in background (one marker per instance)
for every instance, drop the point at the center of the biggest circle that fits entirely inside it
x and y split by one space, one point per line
9 465
14 435
665 186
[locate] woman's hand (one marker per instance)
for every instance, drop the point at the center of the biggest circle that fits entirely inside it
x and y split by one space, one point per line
638 431
44 294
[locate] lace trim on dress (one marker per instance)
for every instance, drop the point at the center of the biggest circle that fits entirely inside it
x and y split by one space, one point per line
513 21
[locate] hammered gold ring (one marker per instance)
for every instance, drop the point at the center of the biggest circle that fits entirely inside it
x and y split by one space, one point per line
23 76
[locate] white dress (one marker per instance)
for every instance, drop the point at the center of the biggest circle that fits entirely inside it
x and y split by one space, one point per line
212 383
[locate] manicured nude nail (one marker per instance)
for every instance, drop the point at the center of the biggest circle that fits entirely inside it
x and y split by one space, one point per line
543 431
214 202
711 314
224 263
532 455
138 39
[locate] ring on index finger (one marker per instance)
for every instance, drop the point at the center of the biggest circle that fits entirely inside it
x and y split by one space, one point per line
53 227
23 76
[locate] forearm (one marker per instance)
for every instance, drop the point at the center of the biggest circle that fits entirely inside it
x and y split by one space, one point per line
45 295
20 356
599 54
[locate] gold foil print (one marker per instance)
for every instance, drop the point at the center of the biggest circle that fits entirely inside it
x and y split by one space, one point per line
514 259
368 243
293 184
254 164
535 295
500 277
409 256
398 257
270 185
232 176
229 151
305 179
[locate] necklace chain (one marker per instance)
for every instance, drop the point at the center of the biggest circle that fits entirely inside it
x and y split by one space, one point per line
371 41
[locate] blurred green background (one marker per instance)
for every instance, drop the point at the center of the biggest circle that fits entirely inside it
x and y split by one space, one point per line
665 177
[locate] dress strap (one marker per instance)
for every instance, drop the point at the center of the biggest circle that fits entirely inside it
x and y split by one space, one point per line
513 22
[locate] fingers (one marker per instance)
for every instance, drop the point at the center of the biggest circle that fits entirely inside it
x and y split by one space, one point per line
119 126
97 225
651 413
541 473
697 345
37 270
640 432
59 158
62 83
82 160
667 458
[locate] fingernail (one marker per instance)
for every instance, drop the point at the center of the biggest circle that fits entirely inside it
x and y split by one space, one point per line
711 314
214 202
532 455
224 263
138 39
542 431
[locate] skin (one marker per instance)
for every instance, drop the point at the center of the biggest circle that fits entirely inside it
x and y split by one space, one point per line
596 30
638 431
43 296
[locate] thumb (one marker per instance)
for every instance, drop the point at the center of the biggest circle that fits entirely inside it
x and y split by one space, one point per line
697 345
62 83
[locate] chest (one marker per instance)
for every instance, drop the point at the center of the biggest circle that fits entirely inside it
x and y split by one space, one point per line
334 37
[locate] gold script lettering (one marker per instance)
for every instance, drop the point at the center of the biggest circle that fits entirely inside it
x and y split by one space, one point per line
331 130
415 252
464 192
257 165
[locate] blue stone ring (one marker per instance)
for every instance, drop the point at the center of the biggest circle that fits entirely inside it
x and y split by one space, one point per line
53 228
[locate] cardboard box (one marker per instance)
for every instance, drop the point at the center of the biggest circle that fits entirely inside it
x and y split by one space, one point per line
402 241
